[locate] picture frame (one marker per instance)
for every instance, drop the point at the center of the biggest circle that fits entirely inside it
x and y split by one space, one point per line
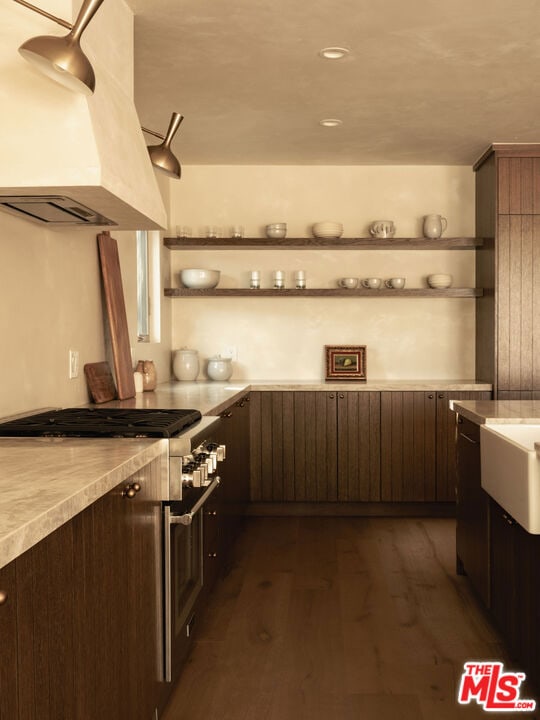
346 362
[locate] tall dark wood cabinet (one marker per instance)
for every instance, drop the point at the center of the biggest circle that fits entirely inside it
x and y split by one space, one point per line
508 314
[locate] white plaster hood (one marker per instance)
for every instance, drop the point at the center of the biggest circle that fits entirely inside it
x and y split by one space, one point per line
55 142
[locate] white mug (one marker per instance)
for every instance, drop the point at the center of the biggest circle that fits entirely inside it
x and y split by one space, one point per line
382 228
348 282
372 283
434 226
396 283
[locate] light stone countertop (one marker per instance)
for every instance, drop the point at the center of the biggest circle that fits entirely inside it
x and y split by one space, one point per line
211 398
493 412
44 482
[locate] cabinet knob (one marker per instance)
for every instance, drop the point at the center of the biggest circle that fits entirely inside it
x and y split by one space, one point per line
212 513
3 597
212 555
441 396
226 414
341 396
129 492
431 396
136 487
331 396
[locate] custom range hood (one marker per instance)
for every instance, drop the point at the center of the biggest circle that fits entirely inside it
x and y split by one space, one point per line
69 159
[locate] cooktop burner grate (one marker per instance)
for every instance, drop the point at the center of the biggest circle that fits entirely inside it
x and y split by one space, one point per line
101 422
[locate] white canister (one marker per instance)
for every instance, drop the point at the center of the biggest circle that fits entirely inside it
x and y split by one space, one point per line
219 368
186 365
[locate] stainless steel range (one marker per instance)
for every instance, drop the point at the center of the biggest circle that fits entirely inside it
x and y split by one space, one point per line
194 456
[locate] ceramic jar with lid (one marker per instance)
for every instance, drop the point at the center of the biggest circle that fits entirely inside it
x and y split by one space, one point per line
186 365
219 368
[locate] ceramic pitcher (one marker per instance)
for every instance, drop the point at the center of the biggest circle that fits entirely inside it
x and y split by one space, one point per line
434 226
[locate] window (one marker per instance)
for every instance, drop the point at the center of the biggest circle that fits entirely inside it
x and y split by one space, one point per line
148 286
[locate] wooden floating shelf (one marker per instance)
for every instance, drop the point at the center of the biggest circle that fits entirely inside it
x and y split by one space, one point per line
369 243
326 292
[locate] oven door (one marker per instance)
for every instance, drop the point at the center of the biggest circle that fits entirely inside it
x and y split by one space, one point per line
183 572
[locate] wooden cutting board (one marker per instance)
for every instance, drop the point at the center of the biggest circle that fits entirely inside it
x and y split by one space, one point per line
116 312
100 381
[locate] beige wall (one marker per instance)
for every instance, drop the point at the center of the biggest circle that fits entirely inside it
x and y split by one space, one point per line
283 338
50 301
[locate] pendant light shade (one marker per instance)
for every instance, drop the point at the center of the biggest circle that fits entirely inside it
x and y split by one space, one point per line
61 58
161 155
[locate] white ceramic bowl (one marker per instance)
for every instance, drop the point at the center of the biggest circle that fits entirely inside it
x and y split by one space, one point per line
327 229
440 280
199 279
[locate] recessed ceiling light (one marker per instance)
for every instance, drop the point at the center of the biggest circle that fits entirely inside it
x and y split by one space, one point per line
334 53
330 122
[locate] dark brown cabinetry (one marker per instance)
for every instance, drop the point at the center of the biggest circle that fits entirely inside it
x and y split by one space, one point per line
418 445
508 318
315 446
408 439
9 690
354 446
472 511
515 585
234 433
224 512
84 613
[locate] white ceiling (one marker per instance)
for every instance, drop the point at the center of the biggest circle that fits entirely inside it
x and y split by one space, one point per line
426 81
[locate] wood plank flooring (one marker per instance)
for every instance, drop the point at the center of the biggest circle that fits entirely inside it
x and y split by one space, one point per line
338 619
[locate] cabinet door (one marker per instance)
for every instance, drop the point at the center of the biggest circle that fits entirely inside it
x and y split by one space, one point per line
504 599
527 549
293 446
117 591
46 618
9 705
234 433
518 303
408 437
446 441
359 446
472 511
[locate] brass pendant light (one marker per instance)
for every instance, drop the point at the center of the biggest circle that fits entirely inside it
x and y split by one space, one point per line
61 58
161 155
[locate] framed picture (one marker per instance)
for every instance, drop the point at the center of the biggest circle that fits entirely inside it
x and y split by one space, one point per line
345 362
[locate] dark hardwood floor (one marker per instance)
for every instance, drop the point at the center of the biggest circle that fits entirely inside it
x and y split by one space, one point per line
338 619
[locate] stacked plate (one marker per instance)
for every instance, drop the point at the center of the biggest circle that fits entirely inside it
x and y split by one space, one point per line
327 229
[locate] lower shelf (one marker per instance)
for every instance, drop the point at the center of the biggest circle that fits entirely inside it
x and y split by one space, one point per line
327 292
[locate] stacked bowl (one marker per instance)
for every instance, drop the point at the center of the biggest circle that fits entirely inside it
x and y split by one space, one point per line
327 229
439 280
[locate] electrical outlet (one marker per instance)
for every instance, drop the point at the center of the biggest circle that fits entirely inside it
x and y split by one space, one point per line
231 351
73 364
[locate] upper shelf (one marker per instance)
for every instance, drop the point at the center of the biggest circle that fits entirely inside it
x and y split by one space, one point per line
311 243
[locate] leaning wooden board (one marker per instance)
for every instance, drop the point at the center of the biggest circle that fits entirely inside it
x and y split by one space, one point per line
116 312
100 381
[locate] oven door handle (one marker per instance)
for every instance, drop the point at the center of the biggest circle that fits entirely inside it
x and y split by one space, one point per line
187 518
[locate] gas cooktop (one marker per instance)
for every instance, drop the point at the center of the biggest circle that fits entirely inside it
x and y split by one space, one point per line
102 422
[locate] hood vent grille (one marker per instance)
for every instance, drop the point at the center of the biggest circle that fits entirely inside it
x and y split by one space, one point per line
52 210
